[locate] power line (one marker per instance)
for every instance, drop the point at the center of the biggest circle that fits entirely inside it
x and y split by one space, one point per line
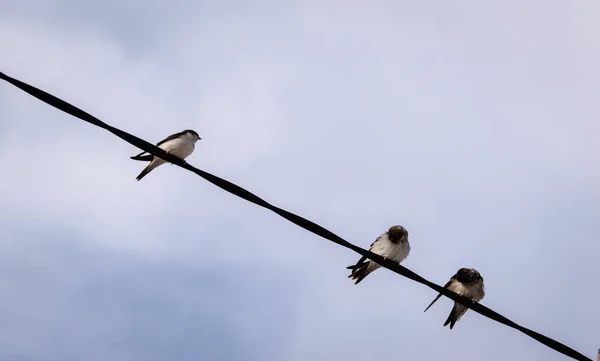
300 221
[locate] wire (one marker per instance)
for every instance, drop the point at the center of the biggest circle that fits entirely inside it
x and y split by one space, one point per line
300 221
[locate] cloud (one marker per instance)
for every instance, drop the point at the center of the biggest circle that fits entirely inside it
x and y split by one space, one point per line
66 301
472 126
80 157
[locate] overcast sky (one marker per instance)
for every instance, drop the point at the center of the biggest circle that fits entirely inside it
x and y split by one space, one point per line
473 124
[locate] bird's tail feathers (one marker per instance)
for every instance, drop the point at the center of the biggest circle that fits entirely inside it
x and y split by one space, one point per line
359 271
457 311
146 170
432 302
358 264
147 157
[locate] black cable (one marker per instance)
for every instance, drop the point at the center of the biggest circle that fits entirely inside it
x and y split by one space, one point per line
302 222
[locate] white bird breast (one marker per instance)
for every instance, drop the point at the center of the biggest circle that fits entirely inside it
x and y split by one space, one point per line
471 291
181 147
394 251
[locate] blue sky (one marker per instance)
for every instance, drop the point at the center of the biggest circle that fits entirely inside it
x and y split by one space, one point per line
473 124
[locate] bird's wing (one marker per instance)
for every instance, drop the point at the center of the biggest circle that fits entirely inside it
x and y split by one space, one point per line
149 157
440 295
141 156
382 246
362 260
170 137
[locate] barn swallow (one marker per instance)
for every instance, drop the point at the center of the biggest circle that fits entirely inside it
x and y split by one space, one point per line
466 282
179 144
392 245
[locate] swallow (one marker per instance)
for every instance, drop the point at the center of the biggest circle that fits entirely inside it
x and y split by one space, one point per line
179 144
466 282
392 245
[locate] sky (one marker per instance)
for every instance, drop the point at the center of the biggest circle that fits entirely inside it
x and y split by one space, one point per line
473 124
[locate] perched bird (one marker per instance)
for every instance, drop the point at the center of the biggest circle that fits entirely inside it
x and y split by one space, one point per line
179 144
392 245
466 282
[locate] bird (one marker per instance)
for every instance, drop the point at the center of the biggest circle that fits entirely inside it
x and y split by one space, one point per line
179 144
466 282
392 245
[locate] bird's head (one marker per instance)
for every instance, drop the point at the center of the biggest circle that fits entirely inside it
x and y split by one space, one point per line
468 275
397 234
194 137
